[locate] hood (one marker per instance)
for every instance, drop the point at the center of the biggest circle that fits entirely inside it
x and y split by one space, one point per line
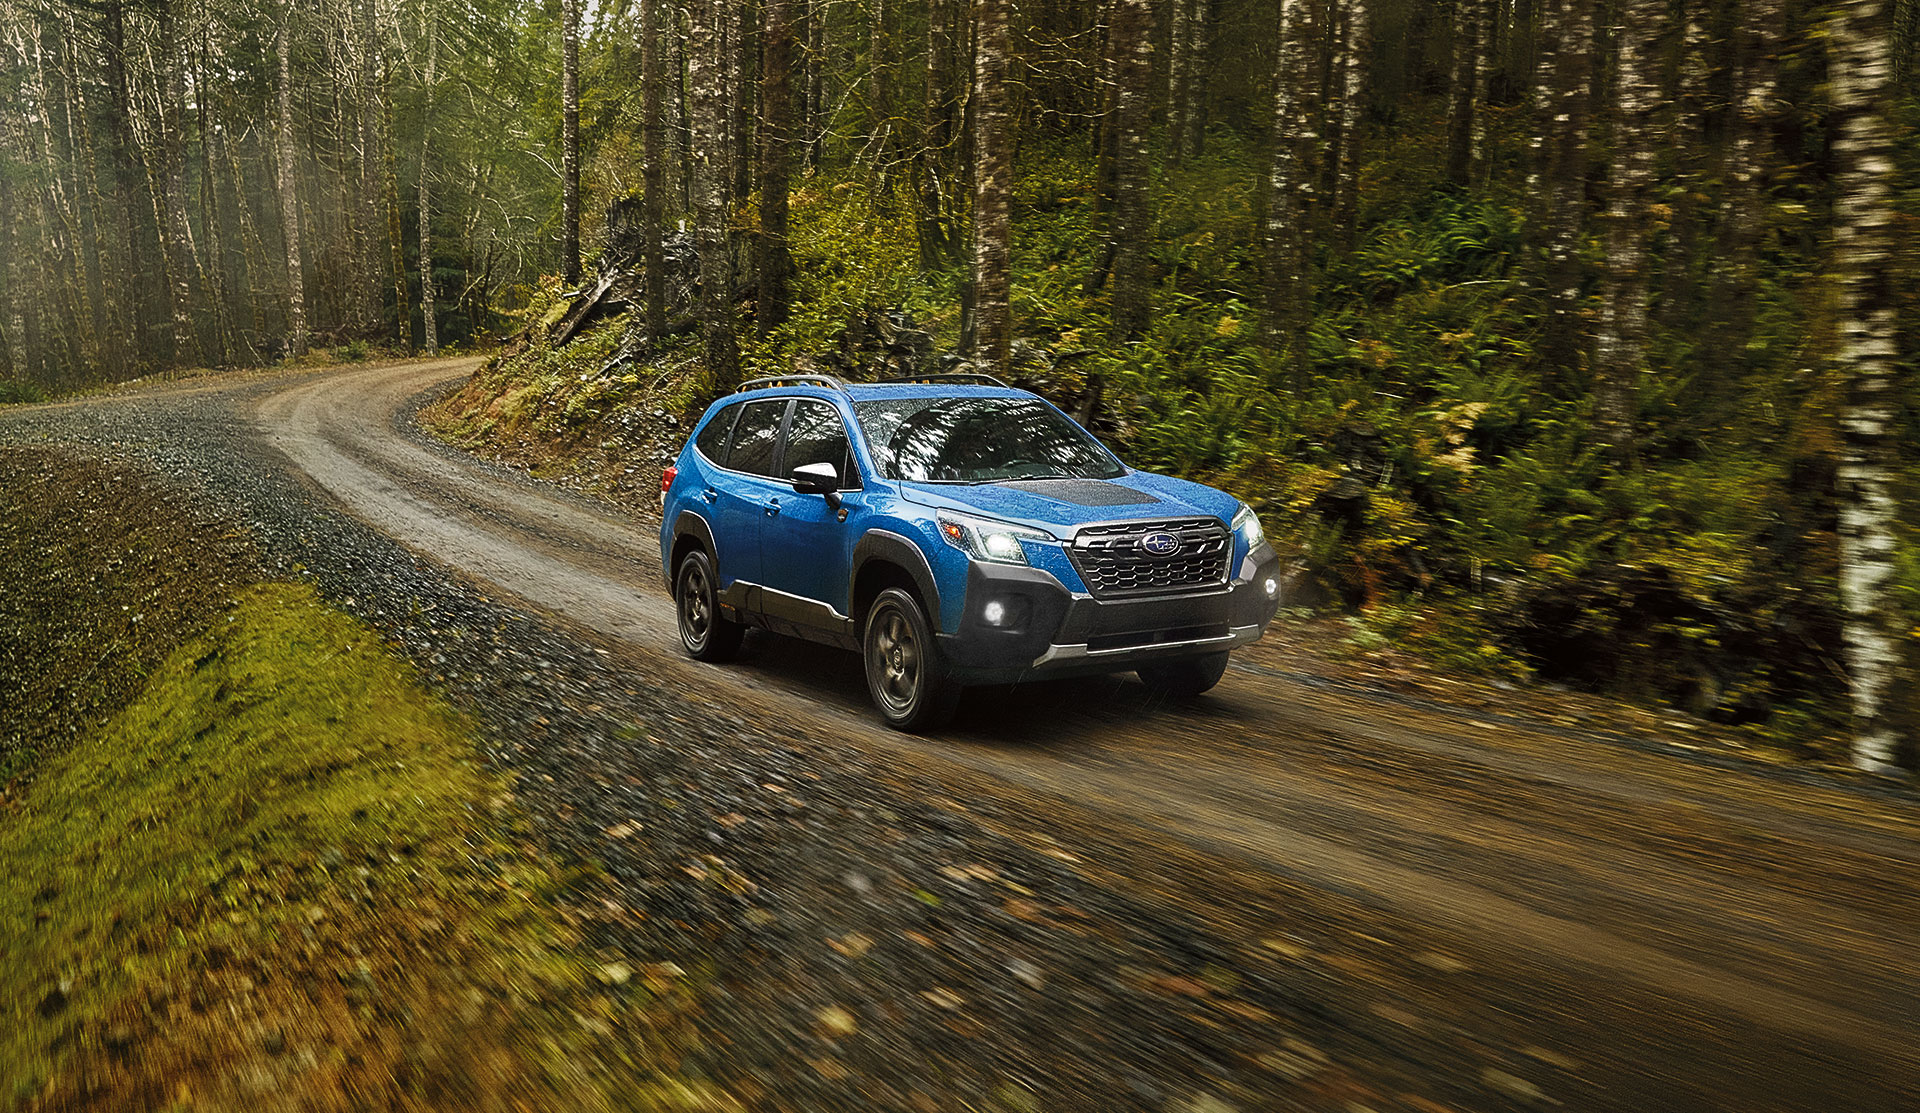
1059 506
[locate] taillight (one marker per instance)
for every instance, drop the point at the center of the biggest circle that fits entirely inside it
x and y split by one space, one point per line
666 477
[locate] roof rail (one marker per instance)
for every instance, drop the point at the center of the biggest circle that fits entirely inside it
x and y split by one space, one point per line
827 381
949 377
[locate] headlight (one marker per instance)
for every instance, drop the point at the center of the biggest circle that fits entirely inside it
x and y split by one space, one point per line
986 539
1247 524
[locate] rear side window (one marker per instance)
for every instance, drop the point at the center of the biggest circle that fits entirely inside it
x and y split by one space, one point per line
756 436
817 436
712 441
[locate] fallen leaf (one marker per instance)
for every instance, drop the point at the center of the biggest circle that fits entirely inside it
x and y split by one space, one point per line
853 944
836 1022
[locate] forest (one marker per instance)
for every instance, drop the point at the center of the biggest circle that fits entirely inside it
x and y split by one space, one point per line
1560 339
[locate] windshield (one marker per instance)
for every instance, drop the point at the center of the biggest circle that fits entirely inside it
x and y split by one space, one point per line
979 440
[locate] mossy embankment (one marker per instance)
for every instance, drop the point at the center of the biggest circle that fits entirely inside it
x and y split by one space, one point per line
265 867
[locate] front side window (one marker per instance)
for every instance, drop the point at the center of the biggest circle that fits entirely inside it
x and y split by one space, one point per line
817 436
756 435
979 440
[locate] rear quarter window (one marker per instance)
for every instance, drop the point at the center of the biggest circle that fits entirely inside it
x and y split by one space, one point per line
712 441
756 435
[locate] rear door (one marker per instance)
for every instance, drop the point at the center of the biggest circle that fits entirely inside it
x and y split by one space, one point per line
808 548
742 487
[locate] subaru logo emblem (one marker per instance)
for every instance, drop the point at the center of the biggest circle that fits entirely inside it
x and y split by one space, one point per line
1160 544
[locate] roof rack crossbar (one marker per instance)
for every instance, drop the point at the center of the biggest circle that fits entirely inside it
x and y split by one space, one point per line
949 377
827 381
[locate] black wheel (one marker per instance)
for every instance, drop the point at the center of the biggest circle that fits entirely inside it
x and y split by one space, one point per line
904 673
706 634
1188 676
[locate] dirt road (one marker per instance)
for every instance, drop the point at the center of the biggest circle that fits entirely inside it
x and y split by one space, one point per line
1544 917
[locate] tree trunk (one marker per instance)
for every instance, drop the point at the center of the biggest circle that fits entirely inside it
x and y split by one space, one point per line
429 302
707 71
182 260
289 190
1620 348
1132 221
1356 48
1280 289
216 288
1865 249
1567 210
993 190
935 161
396 228
1179 49
1466 123
776 130
654 141
1544 105
1730 310
570 142
369 280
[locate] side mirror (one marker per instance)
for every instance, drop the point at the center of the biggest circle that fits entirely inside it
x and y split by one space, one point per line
816 479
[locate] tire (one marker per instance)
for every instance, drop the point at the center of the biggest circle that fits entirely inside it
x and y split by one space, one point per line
1186 677
704 633
905 675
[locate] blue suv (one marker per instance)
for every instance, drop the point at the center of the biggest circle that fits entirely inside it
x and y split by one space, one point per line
953 531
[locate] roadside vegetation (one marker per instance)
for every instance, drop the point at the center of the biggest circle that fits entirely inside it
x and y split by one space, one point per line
263 867
1424 471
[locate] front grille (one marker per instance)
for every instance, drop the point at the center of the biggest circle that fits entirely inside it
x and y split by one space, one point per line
1114 565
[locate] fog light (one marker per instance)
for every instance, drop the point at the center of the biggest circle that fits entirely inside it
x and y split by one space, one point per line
995 613
1273 587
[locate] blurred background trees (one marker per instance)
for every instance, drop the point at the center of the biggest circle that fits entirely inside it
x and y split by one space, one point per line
1592 318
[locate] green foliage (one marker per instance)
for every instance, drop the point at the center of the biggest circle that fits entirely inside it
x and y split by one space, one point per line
16 391
288 731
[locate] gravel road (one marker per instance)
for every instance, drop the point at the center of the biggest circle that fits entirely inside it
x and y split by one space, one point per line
1289 894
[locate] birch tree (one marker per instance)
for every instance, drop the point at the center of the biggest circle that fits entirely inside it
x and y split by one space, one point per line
1280 288
1620 349
1884 692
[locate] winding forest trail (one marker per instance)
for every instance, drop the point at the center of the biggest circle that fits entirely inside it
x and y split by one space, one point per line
1648 931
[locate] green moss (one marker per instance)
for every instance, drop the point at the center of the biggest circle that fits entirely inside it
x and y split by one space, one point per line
280 746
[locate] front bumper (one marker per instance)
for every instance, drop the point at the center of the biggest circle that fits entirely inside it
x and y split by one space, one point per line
1020 623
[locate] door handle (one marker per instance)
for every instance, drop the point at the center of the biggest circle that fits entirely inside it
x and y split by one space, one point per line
772 507
709 494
